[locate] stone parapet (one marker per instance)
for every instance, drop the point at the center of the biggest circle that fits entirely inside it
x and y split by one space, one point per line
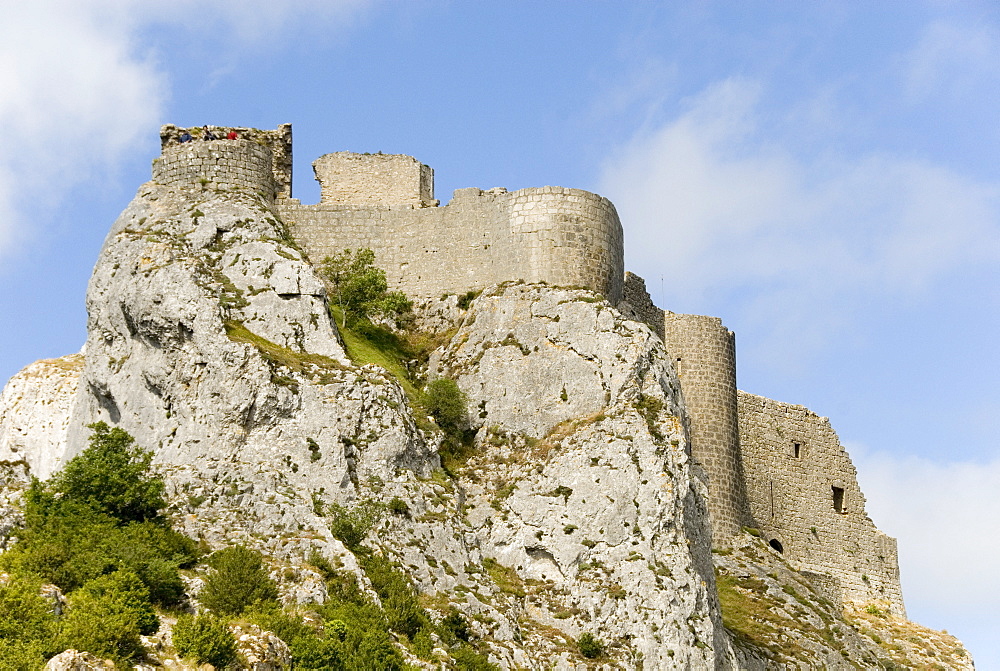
561 236
804 497
236 165
348 178
277 141
636 304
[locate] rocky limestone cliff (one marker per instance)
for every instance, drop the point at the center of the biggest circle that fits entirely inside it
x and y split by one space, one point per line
579 509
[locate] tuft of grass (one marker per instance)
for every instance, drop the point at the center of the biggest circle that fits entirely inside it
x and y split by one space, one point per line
369 344
505 577
297 361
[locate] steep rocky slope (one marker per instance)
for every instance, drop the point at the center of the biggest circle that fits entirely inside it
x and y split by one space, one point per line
579 509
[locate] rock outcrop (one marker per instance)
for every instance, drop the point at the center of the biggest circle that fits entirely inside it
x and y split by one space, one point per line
577 510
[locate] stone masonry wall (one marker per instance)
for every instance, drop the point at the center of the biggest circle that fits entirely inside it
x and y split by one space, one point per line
793 460
636 304
278 141
565 237
347 178
241 165
704 354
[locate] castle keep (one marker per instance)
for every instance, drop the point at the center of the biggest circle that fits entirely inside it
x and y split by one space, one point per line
771 466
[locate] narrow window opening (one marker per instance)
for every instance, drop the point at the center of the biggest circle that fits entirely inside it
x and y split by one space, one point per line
776 544
838 499
797 450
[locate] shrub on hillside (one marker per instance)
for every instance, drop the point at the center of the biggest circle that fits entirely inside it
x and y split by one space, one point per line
112 476
100 515
238 580
360 288
446 403
27 625
206 639
590 646
106 617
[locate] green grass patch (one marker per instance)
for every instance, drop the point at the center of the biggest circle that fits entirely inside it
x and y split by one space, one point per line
300 362
369 344
505 577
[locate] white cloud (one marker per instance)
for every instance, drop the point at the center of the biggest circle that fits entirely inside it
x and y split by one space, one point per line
946 518
79 87
718 206
74 97
953 60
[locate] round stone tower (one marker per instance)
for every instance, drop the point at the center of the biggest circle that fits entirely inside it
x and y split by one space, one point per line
704 353
224 165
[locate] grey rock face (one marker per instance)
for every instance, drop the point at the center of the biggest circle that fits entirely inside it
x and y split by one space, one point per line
210 342
582 479
530 356
35 408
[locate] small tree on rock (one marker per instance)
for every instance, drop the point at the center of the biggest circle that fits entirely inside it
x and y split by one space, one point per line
360 288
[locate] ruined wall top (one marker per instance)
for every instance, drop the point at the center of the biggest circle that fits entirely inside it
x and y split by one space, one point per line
278 142
347 178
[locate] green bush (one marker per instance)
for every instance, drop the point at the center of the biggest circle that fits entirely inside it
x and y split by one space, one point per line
446 403
351 525
590 646
111 476
28 626
204 638
239 580
106 617
71 544
399 598
100 515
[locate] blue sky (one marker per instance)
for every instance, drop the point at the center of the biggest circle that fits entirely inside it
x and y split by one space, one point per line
823 176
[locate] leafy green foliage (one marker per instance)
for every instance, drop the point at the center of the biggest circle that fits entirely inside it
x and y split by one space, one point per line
77 531
590 646
399 598
106 617
351 525
239 580
446 403
360 288
28 626
204 638
112 477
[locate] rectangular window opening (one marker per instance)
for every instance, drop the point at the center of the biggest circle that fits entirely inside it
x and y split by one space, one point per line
838 500
797 450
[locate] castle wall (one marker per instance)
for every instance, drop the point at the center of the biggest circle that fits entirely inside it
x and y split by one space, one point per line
704 354
793 501
374 179
636 304
561 236
278 142
241 165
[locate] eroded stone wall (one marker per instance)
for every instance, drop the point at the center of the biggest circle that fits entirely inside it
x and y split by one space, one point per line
565 237
277 141
704 354
347 178
636 304
793 462
241 165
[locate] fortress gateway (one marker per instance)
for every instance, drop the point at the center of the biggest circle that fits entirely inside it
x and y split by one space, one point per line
769 465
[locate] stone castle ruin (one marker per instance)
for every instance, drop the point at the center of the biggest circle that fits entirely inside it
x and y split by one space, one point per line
770 466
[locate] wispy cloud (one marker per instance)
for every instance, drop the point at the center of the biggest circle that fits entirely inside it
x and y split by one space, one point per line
720 206
80 86
946 518
953 60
